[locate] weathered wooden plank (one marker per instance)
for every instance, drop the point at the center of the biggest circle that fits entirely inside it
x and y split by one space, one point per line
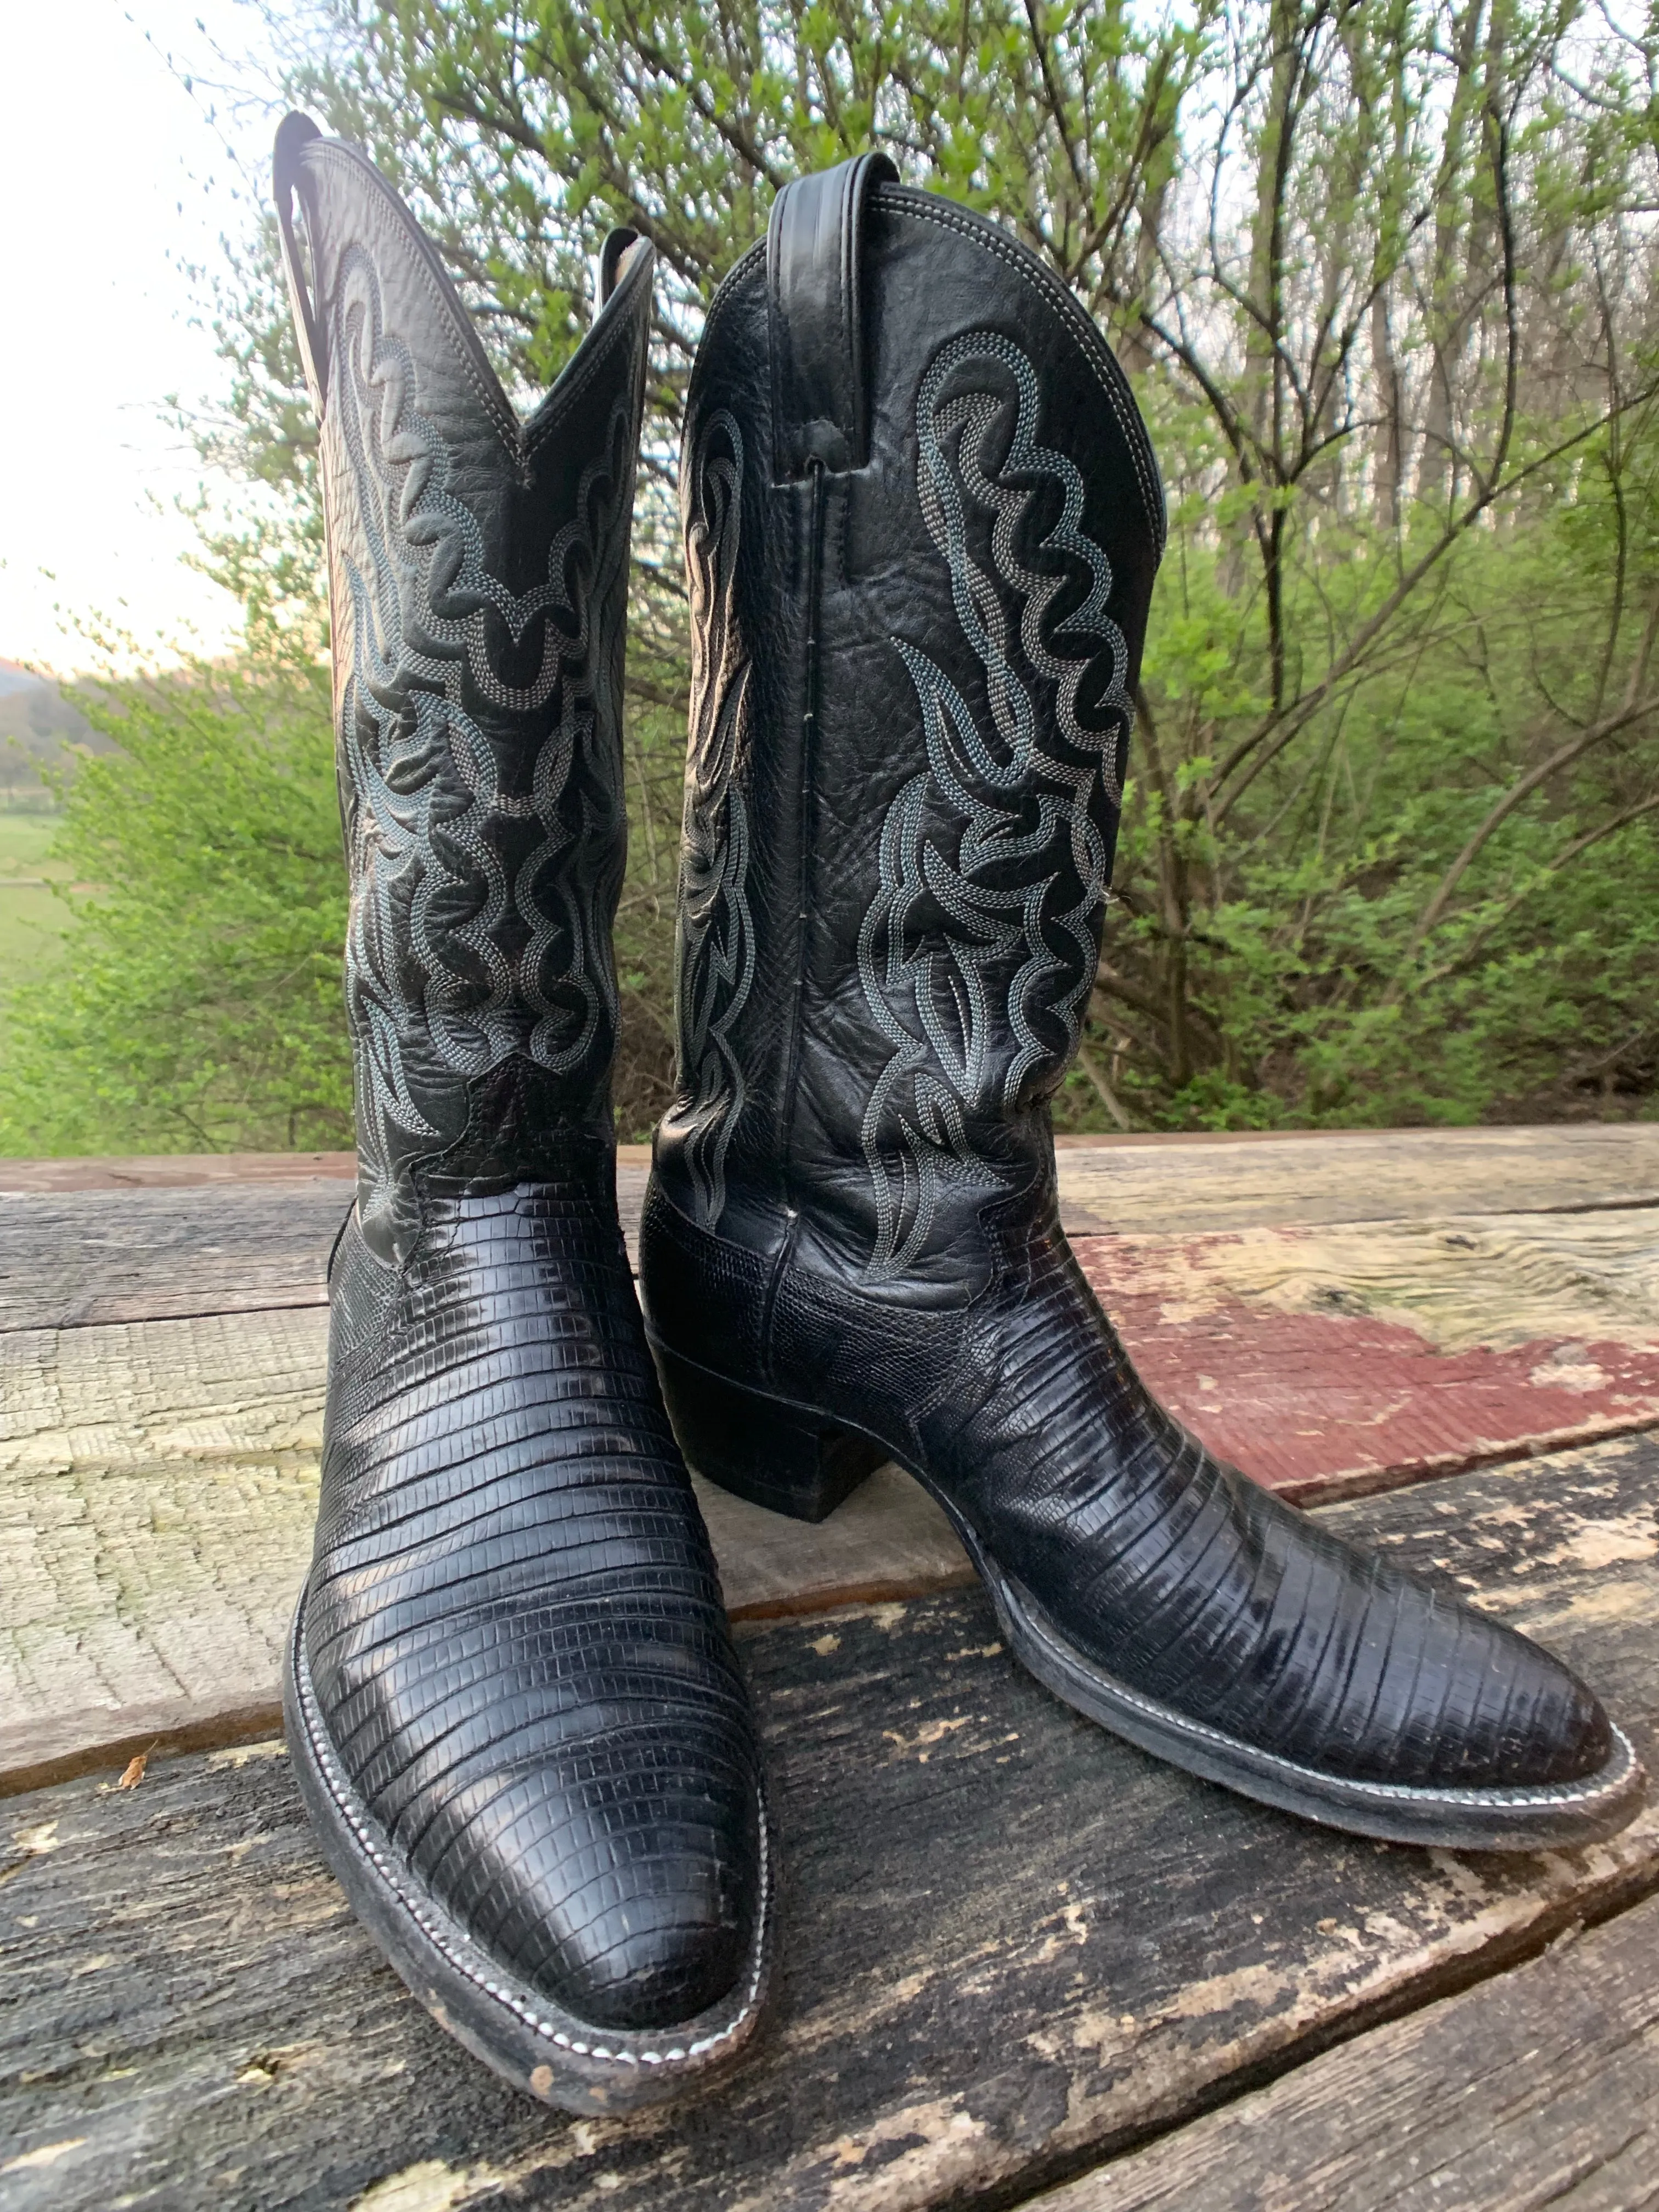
1013 1944
1334 1360
1540 2087
1341 1174
171 1171
74 1248
158 1479
79 1258
186 1170
158 1485
47 1748
889 1541
157 1489
1385 1175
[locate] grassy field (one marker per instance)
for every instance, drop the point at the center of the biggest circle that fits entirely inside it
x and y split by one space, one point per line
32 920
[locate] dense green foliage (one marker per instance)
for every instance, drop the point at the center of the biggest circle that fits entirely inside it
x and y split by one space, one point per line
202 1010
1383 276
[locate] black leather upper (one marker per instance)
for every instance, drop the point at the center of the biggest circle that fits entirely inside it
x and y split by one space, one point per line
816 336
1166 1567
898 842
477 588
910 713
513 1627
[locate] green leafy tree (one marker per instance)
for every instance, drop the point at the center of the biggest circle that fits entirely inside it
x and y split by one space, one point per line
1382 272
202 1010
1381 275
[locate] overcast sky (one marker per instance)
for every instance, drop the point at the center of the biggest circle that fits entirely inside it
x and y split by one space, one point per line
112 178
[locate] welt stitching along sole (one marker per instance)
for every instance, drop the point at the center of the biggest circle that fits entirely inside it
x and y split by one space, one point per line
1557 1816
1497 1820
510 2026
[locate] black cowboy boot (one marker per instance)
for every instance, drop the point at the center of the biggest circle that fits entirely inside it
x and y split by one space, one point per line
512 1698
922 520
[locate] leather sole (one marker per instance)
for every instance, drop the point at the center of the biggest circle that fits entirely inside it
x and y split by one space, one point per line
516 2030
771 1451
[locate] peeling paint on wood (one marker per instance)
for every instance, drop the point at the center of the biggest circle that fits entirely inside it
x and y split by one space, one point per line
1328 1362
1540 2087
1003 1960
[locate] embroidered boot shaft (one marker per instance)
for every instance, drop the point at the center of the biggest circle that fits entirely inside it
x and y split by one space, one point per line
922 520
515 1710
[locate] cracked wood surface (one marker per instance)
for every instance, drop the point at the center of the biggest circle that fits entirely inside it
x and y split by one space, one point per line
113 1240
158 1485
1011 1944
161 1415
1538 2088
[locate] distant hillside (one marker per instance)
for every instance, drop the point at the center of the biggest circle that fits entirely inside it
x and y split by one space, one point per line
39 729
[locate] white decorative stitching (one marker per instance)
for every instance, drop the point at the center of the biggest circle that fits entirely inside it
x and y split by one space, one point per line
349 1807
1424 1794
715 946
493 399
1021 805
922 207
423 778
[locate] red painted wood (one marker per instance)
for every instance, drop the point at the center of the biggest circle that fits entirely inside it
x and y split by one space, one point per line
1336 1405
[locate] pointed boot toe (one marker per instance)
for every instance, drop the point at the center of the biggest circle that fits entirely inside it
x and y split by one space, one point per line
1324 1679
1570 1738
922 522
1464 1702
621 1879
670 1946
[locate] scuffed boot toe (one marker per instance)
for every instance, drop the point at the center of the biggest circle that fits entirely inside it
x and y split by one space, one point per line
662 1953
631 1904
1551 1728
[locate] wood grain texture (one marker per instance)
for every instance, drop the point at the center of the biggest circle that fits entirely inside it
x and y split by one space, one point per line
1600 1160
888 1541
1011 1944
171 1171
188 1171
1330 1361
1539 2088
1387 1175
158 1487
77 1258
158 1476
74 1250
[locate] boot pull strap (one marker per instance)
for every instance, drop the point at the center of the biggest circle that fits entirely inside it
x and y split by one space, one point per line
294 135
815 311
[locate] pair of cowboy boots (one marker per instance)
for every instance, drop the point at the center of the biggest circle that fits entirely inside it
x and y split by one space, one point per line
922 518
